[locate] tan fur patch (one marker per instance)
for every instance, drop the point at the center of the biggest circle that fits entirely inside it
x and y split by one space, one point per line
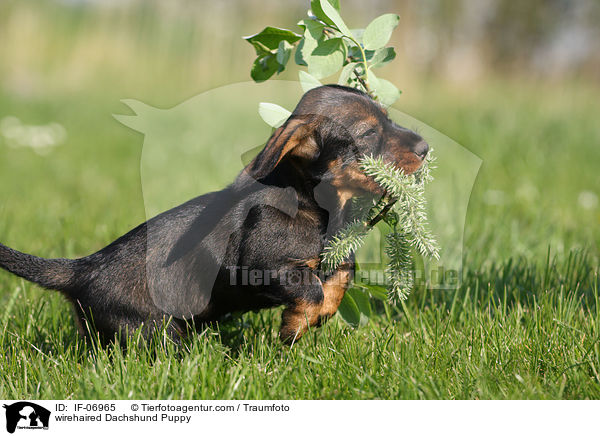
313 262
296 319
334 290
351 181
344 196
292 138
308 215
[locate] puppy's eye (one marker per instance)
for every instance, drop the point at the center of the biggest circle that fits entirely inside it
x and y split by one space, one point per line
369 132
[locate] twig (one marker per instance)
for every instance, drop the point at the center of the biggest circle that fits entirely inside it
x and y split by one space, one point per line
390 202
362 82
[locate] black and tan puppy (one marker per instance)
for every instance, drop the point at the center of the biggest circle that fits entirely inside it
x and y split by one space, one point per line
254 245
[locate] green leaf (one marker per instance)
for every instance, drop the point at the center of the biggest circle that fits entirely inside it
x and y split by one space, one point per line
306 46
329 46
385 90
355 53
274 115
332 16
349 311
269 38
300 55
347 74
315 28
264 67
358 34
362 301
382 57
260 48
327 58
284 51
317 10
378 292
307 81
379 31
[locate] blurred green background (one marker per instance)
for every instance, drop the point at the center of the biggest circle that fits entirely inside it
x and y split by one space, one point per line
516 83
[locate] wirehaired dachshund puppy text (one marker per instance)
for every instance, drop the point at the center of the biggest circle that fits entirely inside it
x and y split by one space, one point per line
254 245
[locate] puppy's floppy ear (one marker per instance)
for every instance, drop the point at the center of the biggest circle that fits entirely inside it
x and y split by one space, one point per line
295 138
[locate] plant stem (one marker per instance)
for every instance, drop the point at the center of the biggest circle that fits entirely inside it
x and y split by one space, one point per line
364 82
390 202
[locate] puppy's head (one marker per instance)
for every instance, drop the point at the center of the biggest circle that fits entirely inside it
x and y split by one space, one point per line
330 130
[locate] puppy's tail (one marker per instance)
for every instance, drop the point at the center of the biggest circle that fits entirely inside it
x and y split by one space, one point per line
57 274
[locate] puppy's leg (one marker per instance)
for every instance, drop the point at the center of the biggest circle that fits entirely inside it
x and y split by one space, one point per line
303 313
306 300
334 290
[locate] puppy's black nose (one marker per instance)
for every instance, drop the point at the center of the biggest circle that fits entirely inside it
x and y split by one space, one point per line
421 149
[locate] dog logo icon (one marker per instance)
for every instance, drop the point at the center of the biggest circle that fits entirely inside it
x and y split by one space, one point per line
26 415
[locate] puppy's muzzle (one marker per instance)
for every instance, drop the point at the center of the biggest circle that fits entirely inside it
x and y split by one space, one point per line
421 149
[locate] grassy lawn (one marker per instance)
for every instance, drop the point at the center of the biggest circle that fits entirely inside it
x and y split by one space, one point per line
525 322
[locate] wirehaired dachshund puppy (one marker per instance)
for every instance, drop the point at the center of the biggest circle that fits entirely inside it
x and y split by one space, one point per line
254 245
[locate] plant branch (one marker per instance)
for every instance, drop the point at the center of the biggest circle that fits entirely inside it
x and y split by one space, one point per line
382 213
362 82
364 62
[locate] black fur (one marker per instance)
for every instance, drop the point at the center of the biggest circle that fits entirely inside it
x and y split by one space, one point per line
276 216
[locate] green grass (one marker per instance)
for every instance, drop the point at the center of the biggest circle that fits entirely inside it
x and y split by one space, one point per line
524 324
500 336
